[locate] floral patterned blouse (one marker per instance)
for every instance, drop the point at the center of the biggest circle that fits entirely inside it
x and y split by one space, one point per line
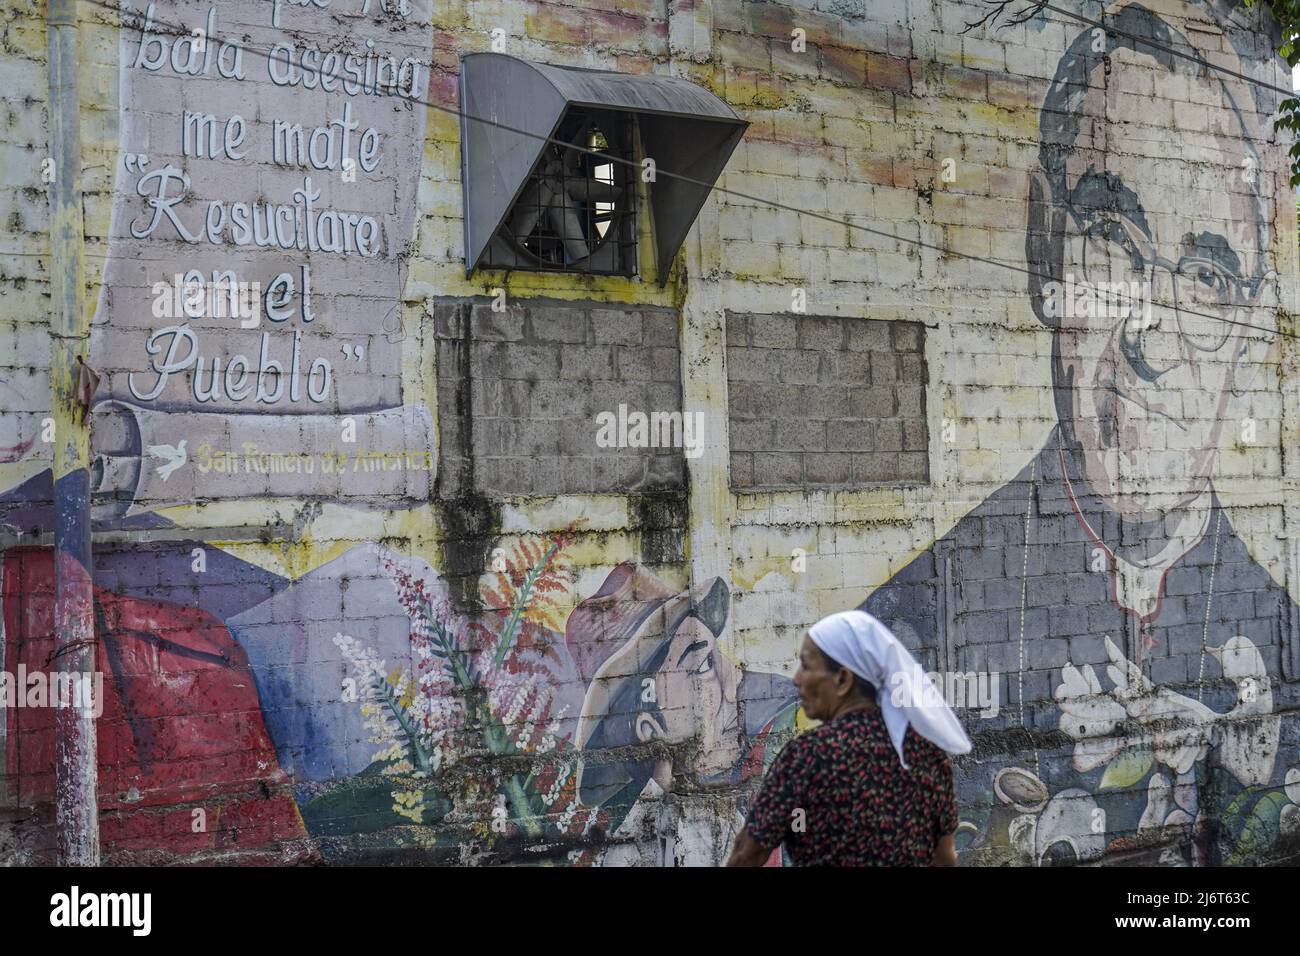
838 796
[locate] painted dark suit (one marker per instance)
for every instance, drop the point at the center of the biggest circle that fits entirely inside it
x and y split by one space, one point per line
1011 590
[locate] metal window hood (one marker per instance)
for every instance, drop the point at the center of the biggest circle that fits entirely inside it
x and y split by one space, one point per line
685 129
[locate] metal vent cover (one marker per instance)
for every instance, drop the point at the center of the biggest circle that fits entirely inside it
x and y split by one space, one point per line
511 107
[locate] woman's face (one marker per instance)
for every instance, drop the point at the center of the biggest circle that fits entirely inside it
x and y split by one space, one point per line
697 696
815 682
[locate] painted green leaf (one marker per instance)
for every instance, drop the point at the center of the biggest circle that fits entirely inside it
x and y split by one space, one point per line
1260 831
364 804
1127 769
1232 817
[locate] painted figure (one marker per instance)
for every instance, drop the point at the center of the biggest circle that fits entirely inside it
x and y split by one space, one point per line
656 675
1110 554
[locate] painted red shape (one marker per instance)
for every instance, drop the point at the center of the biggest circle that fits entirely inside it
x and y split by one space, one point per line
181 728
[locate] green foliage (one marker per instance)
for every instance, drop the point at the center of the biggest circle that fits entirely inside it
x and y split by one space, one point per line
1287 14
474 688
364 804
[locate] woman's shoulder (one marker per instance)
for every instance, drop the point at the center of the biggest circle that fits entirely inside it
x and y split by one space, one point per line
923 753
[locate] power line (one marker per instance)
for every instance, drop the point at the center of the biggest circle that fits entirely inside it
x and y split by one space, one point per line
180 31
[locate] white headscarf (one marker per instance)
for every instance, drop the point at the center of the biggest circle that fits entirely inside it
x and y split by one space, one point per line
905 693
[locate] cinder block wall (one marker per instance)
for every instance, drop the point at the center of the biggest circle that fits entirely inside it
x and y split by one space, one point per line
817 402
478 635
537 377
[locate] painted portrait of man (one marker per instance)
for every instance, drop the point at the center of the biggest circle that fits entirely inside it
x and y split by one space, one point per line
1105 582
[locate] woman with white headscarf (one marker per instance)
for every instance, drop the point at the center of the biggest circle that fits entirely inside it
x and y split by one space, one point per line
872 786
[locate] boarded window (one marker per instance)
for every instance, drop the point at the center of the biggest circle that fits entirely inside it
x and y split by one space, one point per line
821 402
523 393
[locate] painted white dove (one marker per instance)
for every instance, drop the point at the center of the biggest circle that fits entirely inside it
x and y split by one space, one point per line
1177 728
173 457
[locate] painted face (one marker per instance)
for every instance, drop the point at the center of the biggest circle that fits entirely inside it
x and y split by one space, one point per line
697 696
815 682
1145 396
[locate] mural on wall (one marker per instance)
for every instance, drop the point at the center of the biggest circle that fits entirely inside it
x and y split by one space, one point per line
455 721
654 673
249 338
1105 582
348 708
248 332
518 730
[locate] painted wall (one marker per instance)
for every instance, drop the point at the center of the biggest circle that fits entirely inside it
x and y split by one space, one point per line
375 587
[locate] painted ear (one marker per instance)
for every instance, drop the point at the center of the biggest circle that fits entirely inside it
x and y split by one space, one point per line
1252 346
647 728
1044 244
